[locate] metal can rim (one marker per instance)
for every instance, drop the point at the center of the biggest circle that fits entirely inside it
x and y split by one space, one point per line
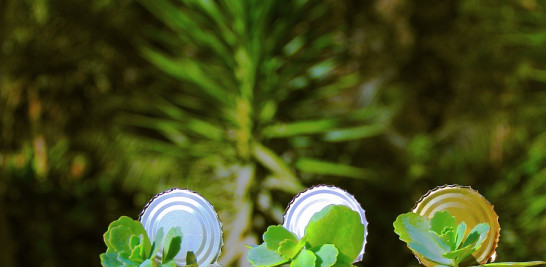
156 196
493 254
314 187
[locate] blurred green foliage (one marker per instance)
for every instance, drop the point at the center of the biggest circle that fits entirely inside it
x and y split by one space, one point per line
105 103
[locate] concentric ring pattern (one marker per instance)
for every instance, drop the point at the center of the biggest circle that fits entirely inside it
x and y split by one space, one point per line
201 228
307 203
467 205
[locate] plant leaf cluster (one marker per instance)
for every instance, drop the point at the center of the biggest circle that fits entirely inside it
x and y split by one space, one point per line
334 236
442 241
128 245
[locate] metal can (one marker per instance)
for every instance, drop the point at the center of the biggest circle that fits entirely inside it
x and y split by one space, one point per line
314 199
465 204
201 228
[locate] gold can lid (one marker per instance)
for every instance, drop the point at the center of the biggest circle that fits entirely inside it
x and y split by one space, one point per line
465 204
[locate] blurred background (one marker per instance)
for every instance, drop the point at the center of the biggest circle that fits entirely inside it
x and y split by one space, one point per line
105 103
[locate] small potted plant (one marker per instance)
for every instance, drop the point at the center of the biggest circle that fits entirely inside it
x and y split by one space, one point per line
437 238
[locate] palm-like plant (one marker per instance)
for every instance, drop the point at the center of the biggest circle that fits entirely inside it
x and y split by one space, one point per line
261 93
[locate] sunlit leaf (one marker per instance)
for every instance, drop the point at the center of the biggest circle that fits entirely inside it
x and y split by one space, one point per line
440 220
415 230
262 256
461 231
276 234
171 245
290 248
191 261
340 226
327 255
306 258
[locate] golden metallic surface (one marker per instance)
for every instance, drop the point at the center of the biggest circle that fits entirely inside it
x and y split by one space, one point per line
467 205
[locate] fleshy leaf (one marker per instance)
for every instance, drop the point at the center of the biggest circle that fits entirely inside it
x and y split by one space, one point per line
137 254
261 256
191 261
441 220
327 255
289 249
482 230
409 223
119 240
471 244
158 239
459 236
275 234
431 252
171 263
448 235
119 233
306 258
146 263
171 245
338 225
460 254
134 241
113 259
414 229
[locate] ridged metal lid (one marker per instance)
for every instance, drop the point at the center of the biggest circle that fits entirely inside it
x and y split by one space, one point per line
314 199
201 228
467 205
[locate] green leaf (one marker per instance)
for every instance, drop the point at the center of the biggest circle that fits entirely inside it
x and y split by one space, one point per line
449 235
261 256
113 259
300 128
146 263
482 230
459 236
171 245
118 236
321 69
171 263
137 254
414 230
431 251
317 166
327 255
134 241
158 239
306 258
460 254
275 164
289 249
354 133
338 225
189 71
191 261
141 251
409 223
441 220
275 234
502 264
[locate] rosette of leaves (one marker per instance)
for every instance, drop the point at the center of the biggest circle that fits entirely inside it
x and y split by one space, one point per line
128 245
334 236
444 242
